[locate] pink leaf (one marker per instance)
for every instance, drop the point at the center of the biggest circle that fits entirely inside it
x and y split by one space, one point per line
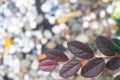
48 65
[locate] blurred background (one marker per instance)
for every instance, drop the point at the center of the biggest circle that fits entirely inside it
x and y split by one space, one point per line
30 27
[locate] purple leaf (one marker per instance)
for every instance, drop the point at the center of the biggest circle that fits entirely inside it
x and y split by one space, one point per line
114 63
105 46
80 50
48 65
56 56
70 68
93 68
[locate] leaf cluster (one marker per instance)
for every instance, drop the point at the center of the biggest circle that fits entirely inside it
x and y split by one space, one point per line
90 65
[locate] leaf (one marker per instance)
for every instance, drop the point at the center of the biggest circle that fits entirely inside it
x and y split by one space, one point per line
105 46
93 68
114 63
70 68
117 77
80 50
56 56
48 65
116 43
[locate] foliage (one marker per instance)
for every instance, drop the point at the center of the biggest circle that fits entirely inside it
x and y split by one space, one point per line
90 65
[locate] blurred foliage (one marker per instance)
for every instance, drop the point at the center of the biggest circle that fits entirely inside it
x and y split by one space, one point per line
116 11
116 42
116 15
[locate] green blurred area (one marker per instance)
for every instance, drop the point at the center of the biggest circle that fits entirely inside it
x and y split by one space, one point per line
116 12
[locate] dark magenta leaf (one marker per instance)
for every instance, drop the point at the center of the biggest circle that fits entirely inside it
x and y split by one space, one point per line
114 63
105 46
48 65
117 77
56 55
116 43
93 68
70 68
80 50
